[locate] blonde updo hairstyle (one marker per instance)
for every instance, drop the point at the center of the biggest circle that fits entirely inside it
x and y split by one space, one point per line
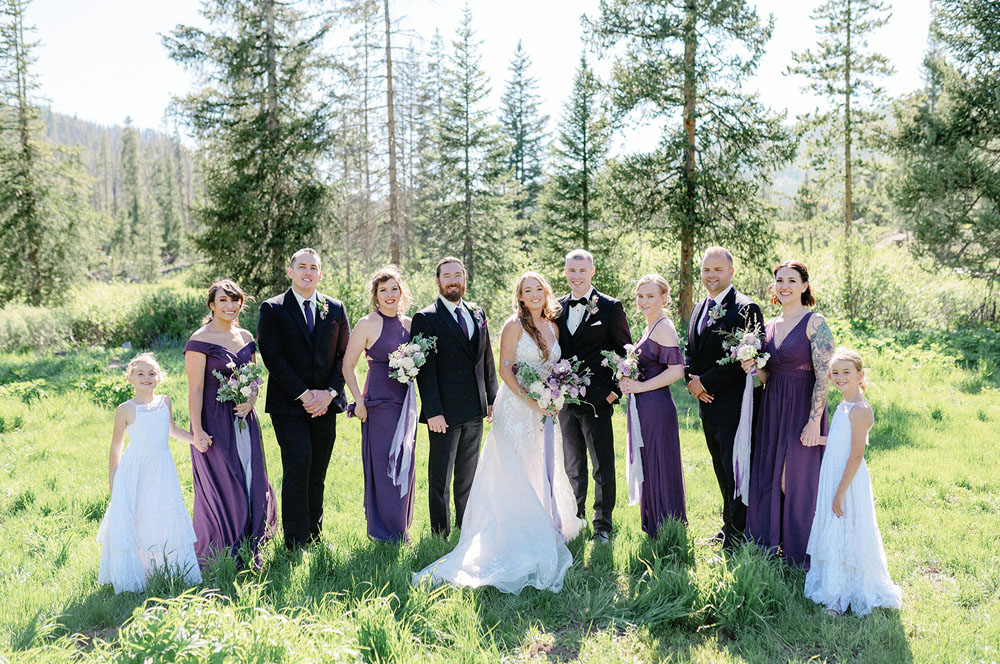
149 359
852 356
660 282
383 275
550 311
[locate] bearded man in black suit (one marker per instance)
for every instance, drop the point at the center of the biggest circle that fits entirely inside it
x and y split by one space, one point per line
591 322
458 385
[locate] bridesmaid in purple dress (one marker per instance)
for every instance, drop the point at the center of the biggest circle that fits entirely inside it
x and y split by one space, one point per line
784 475
386 453
661 363
233 500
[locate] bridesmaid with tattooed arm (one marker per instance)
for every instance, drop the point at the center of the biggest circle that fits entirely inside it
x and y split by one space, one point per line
792 423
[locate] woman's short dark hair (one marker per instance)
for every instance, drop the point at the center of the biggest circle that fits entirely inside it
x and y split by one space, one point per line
807 296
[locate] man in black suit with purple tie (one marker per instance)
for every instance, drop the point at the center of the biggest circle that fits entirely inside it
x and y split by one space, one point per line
719 387
591 322
458 385
302 336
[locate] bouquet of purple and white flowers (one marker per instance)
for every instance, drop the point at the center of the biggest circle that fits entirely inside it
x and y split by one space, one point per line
744 344
554 384
623 367
242 385
405 361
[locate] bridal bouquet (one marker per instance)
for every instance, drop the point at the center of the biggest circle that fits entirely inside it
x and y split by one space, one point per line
242 386
623 367
744 344
554 384
405 361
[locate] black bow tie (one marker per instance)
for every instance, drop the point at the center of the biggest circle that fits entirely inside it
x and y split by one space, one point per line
580 300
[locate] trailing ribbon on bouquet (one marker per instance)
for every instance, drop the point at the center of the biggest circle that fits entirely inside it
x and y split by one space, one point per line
633 464
403 442
243 445
549 438
741 444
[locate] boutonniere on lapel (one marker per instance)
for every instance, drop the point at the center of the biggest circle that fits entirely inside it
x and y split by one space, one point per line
592 306
477 313
324 310
715 314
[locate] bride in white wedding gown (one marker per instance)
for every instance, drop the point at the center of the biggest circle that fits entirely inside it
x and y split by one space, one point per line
517 520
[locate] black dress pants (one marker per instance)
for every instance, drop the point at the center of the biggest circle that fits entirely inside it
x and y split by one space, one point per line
452 453
306 444
583 433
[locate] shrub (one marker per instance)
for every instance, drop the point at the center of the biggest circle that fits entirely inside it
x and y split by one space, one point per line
11 423
110 391
27 391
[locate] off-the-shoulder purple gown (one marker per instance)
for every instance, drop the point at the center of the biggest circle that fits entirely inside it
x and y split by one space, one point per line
775 519
224 514
389 515
662 492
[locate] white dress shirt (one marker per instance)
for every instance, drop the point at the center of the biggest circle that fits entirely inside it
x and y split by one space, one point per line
302 310
463 312
577 311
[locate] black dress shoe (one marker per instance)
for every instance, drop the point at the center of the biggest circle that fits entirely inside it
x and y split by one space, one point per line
602 536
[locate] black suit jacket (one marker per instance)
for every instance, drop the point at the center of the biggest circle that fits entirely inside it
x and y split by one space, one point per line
605 330
459 379
298 361
702 352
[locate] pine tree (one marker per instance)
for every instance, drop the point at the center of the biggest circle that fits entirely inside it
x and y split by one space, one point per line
263 124
701 184
524 126
475 215
571 206
947 184
167 197
842 69
45 221
428 177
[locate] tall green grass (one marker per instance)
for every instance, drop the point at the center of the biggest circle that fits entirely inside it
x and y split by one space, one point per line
933 459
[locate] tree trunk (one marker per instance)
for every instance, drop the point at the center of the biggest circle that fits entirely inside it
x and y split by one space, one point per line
688 175
848 195
394 227
272 73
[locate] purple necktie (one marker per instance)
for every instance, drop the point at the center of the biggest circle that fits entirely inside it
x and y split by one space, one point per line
704 320
310 322
461 322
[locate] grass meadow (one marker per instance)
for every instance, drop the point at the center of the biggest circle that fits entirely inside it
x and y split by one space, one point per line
933 458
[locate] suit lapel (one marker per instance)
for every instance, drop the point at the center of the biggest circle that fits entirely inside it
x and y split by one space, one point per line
452 324
292 306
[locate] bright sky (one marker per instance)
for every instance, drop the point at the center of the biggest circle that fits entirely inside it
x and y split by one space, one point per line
103 60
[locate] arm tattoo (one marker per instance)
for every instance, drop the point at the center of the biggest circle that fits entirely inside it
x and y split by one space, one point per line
821 345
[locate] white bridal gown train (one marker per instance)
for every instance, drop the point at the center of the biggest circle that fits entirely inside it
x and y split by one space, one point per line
516 522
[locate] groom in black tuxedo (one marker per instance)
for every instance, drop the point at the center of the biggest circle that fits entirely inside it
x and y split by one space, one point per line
591 322
719 387
302 336
457 387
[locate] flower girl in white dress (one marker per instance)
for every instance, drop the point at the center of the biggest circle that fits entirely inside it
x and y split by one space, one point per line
147 525
848 565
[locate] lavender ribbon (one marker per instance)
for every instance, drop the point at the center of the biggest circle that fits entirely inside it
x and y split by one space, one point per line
549 446
403 442
633 465
741 444
243 447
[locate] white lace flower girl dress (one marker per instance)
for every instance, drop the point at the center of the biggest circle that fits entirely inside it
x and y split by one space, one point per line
147 525
848 567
